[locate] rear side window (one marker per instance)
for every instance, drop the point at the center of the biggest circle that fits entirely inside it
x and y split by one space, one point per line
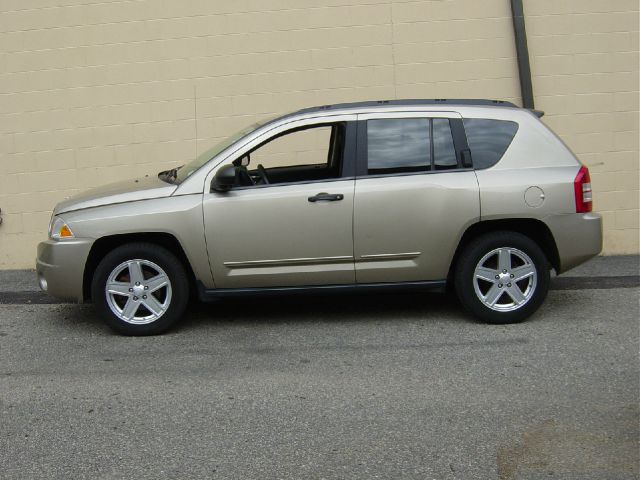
488 139
409 145
400 145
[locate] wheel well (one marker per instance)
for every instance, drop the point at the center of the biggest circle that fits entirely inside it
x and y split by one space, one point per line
534 229
104 245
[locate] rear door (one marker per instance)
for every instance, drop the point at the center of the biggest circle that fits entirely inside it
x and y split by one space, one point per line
414 195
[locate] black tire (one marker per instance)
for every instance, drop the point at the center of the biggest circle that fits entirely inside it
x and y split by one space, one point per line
465 272
151 254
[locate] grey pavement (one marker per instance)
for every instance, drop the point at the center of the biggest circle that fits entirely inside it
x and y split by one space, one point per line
614 265
403 386
353 387
18 281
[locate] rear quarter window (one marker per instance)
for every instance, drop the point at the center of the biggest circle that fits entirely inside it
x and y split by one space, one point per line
488 139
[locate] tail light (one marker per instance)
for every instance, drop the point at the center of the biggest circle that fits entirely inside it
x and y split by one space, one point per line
582 189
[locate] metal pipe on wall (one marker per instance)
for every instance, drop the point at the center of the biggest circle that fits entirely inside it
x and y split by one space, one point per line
522 52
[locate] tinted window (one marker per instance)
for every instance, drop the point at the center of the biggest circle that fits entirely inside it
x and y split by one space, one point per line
398 145
488 139
444 153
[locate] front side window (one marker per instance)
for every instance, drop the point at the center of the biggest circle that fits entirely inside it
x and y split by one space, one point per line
488 139
409 145
300 155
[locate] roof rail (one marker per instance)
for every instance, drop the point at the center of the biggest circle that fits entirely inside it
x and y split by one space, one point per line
410 102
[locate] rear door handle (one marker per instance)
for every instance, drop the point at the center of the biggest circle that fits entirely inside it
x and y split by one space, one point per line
326 197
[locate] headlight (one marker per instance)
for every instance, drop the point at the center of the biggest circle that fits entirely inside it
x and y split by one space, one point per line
59 229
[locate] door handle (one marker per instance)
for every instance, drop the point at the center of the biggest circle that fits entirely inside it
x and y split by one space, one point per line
326 197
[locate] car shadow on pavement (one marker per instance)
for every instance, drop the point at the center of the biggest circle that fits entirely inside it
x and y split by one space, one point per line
290 309
304 308
326 308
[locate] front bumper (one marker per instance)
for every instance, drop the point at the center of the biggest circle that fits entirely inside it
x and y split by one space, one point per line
578 237
60 267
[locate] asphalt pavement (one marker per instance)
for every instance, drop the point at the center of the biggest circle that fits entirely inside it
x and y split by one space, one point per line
355 387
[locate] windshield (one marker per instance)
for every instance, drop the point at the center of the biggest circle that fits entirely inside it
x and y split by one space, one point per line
204 157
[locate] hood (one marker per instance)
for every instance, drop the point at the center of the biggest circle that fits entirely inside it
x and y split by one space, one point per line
126 191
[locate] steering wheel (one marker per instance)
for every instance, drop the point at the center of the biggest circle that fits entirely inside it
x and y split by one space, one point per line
263 174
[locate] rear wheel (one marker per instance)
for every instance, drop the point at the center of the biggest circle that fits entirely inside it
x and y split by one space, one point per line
140 289
502 277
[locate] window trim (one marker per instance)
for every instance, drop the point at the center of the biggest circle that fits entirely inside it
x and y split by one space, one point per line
286 184
460 142
411 174
432 149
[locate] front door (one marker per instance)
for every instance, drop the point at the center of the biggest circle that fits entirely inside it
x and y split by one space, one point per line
289 219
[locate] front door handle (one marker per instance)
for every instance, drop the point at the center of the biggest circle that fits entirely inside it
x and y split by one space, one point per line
326 197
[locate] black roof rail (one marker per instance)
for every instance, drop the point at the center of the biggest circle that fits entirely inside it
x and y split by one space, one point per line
411 102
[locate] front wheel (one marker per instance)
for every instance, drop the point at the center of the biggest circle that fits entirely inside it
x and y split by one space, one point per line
502 277
140 289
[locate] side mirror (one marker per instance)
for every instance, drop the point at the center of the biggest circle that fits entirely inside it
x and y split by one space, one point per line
242 161
225 179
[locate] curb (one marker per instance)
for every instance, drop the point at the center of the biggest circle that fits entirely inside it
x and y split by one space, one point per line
557 283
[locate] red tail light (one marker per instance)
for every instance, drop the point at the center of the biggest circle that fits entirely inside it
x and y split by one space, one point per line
582 189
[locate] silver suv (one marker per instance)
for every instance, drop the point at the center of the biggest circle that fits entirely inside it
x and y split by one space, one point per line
477 195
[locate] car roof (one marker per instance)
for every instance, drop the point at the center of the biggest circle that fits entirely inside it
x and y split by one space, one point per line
401 104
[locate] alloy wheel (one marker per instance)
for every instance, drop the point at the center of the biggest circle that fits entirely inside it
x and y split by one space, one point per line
138 291
505 279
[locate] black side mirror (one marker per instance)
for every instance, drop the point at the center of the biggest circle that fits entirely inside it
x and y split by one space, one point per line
242 161
225 179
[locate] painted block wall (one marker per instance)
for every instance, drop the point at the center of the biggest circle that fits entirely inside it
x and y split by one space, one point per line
97 91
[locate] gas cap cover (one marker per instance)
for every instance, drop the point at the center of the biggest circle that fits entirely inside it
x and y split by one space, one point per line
534 197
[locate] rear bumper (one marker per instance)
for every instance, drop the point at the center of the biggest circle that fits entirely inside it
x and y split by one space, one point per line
60 267
578 237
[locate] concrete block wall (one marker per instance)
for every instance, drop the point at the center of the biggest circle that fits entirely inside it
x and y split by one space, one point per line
97 91
584 60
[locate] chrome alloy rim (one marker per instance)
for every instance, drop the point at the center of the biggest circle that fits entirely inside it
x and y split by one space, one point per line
138 291
505 279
